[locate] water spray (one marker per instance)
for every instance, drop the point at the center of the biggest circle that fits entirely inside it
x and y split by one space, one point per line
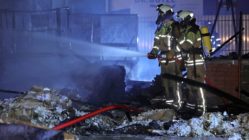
89 49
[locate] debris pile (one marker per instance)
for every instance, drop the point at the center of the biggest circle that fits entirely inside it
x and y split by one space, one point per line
47 108
212 124
39 106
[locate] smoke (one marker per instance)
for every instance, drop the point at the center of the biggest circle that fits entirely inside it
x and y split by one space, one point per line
145 70
88 49
29 58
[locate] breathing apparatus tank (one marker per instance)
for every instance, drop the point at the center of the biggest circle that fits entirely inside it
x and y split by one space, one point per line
206 38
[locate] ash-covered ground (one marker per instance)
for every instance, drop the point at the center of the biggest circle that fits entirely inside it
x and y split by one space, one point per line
47 108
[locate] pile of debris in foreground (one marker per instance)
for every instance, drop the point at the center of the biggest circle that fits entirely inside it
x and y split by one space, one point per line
47 108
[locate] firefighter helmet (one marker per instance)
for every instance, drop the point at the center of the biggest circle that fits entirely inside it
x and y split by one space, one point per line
164 12
164 9
185 16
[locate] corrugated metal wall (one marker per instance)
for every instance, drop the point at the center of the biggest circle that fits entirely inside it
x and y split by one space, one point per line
225 29
29 20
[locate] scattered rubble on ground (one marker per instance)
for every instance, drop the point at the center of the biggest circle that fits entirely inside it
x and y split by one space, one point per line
39 106
212 124
47 108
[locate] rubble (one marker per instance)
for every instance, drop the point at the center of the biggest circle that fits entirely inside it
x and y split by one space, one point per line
47 108
180 129
157 115
39 106
212 124
25 132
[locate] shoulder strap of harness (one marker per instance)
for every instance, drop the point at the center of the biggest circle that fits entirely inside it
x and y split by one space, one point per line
194 28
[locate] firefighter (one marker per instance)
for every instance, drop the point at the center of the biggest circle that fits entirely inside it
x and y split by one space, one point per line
165 50
192 52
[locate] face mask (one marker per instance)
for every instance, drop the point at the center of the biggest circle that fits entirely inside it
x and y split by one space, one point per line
183 24
176 18
162 17
159 19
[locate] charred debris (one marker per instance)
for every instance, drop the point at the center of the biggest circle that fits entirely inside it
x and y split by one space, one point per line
141 110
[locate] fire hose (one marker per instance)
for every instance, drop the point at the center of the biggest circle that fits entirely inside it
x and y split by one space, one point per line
125 108
209 88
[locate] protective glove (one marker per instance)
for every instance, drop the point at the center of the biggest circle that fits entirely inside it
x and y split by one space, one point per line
151 56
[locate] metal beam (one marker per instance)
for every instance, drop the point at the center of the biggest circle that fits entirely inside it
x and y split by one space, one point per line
11 91
234 20
216 17
239 52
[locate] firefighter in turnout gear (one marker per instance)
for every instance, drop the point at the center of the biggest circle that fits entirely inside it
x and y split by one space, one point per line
165 50
192 52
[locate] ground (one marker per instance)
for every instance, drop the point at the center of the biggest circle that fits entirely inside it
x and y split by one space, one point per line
46 108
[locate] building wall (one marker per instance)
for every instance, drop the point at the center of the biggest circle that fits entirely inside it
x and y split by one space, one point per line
223 74
87 6
24 5
76 6
211 5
